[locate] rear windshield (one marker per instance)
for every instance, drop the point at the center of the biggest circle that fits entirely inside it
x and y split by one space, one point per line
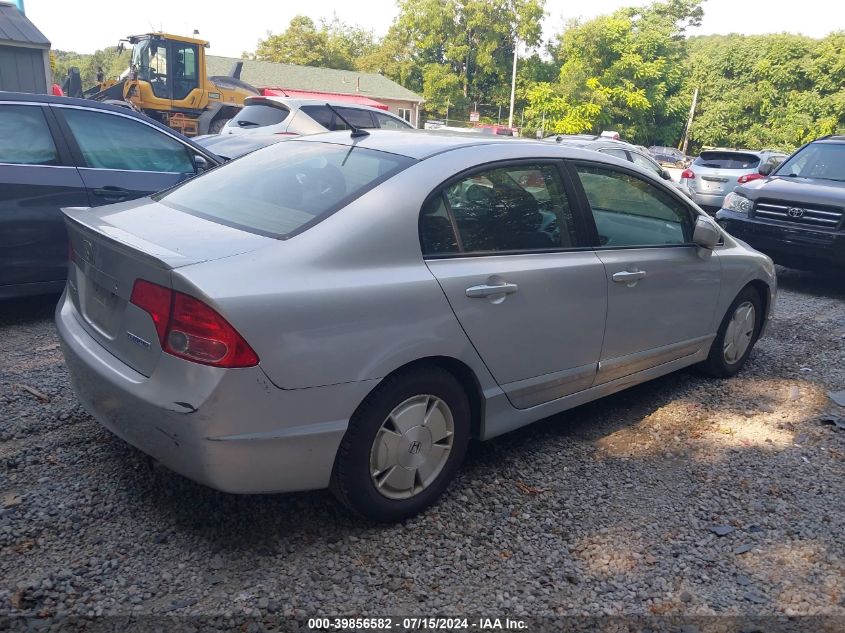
727 160
286 188
259 115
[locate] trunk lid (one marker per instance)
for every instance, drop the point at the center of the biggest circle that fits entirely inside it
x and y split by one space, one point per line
112 246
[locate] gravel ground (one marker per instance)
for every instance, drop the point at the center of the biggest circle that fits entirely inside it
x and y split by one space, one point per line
612 508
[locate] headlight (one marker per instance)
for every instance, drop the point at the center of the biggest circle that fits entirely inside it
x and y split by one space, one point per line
737 203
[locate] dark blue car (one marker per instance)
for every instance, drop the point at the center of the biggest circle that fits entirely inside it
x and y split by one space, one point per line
60 152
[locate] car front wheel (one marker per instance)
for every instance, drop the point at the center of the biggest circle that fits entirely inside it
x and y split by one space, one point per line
403 446
737 335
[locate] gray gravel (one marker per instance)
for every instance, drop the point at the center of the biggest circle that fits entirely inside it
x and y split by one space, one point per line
684 496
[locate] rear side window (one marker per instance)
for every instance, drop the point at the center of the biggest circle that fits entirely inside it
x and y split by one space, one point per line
618 153
641 161
727 160
390 123
356 117
110 141
512 208
329 120
259 115
285 188
629 211
25 138
320 113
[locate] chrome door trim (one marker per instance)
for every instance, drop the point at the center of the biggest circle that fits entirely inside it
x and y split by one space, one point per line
613 368
540 389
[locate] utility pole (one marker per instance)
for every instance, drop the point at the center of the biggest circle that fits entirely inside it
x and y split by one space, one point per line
513 81
689 122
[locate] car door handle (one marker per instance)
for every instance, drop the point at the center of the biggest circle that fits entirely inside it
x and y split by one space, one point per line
486 290
628 276
112 192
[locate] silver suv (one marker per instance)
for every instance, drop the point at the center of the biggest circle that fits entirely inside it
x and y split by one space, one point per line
717 172
292 117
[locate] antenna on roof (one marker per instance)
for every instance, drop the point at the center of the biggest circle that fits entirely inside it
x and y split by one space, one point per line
356 131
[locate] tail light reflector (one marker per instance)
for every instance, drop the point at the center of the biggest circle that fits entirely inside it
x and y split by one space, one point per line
190 329
689 174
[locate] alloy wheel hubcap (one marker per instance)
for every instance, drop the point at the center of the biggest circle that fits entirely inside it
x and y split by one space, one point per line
411 447
739 333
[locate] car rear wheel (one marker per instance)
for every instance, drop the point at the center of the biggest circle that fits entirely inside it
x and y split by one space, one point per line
737 335
403 446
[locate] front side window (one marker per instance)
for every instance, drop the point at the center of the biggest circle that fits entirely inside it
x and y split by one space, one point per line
513 208
158 68
111 141
283 189
629 211
25 138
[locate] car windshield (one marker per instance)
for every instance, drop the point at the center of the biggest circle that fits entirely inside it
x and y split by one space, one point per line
286 188
727 160
817 160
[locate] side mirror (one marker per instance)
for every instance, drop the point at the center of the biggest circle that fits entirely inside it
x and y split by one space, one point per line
765 169
706 234
665 174
200 163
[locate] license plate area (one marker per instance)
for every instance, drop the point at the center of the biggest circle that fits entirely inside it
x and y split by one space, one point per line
101 307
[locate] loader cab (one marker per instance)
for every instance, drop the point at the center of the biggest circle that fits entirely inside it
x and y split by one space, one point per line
171 67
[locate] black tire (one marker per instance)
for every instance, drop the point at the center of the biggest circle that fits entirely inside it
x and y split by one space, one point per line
716 363
351 481
217 125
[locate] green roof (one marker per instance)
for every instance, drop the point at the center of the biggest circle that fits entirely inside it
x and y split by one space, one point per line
272 75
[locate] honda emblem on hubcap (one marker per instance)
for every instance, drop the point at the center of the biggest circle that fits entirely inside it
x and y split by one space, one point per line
414 448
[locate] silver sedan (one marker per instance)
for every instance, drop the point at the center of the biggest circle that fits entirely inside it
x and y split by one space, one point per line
349 310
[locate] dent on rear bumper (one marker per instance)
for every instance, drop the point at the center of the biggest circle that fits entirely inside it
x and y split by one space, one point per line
232 430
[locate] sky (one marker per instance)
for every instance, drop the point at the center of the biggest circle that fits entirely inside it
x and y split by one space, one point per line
87 25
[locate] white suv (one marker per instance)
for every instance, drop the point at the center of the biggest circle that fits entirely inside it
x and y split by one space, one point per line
284 115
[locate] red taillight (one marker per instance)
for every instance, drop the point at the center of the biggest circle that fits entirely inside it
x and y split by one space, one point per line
156 301
689 174
748 178
189 329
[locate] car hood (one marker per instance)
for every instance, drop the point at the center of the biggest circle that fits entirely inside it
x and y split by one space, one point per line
804 190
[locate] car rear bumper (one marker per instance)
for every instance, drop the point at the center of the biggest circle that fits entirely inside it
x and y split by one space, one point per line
792 246
232 430
709 201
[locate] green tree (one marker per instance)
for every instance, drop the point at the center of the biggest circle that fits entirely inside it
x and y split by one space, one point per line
623 71
331 44
767 91
460 51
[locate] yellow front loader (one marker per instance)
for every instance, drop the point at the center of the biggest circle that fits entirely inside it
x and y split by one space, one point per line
167 80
